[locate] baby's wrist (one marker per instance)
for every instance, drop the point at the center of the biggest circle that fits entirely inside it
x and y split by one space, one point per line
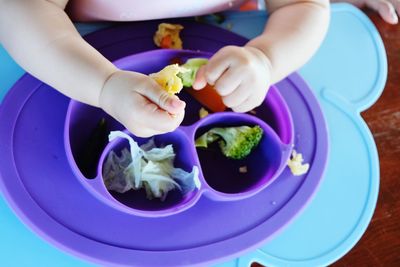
106 84
264 59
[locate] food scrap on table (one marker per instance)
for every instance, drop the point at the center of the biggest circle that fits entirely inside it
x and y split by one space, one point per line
167 36
296 165
147 167
203 113
235 142
243 169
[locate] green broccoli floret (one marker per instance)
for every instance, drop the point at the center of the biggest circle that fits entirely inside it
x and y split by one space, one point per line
235 142
192 66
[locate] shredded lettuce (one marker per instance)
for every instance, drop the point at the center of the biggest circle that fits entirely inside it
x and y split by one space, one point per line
136 155
114 175
148 167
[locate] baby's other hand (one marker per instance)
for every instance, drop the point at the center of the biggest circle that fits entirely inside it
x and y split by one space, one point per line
386 8
140 104
241 75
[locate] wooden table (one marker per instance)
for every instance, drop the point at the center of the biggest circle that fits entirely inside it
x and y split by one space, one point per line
380 245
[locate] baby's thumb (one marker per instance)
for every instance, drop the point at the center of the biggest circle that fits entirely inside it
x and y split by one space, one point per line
170 103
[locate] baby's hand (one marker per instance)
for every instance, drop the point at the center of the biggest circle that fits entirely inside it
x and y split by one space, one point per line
386 8
140 104
241 75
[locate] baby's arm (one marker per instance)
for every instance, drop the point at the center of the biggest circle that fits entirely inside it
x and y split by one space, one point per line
42 39
292 35
242 75
39 35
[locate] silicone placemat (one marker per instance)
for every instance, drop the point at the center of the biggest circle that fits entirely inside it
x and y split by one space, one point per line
279 251
348 74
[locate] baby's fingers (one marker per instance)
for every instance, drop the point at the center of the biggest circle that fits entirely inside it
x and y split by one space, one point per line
144 118
385 9
250 103
141 130
237 97
200 81
246 106
218 64
158 119
229 81
396 5
162 99
153 121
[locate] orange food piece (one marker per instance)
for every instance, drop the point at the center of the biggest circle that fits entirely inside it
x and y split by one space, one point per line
208 97
166 42
167 36
249 5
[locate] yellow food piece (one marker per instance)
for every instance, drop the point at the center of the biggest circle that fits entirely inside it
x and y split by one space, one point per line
170 31
167 78
296 165
203 113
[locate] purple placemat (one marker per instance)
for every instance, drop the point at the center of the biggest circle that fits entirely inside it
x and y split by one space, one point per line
67 215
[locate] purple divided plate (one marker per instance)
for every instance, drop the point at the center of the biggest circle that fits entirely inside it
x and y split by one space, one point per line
219 177
39 184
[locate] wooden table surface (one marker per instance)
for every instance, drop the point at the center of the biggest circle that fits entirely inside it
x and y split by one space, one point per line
380 245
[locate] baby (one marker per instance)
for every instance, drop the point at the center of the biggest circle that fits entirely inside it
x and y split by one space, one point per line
40 36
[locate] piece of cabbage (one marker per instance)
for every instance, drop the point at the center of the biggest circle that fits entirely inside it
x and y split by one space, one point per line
148 167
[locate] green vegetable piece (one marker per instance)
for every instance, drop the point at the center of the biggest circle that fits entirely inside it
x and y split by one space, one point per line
192 66
206 139
235 142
